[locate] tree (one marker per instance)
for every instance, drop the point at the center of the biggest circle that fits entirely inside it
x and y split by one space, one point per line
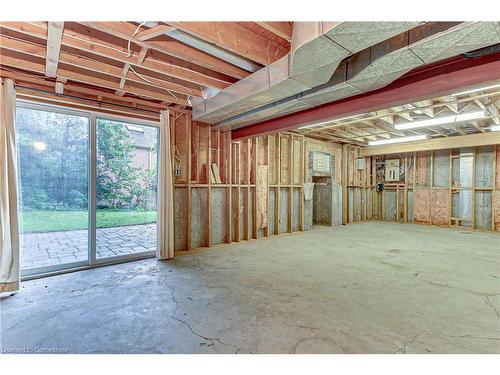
119 183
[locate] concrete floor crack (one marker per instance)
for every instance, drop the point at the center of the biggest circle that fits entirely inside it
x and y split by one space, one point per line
403 348
188 325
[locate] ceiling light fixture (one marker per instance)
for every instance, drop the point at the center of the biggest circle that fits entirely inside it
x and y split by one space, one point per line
476 90
329 121
441 120
397 140
495 128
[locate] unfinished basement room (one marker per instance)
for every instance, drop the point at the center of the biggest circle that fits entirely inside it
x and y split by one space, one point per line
250 187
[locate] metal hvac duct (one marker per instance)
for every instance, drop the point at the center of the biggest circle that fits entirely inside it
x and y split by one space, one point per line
381 64
317 50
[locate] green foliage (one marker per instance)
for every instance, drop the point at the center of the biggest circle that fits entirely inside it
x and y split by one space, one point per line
119 184
56 178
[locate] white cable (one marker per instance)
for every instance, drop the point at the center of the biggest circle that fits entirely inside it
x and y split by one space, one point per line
135 32
147 80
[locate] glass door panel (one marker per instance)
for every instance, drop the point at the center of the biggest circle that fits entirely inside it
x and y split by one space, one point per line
53 188
126 189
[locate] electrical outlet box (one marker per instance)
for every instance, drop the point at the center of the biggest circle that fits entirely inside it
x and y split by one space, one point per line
392 170
361 164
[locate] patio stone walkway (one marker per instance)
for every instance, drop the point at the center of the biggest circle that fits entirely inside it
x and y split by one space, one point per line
54 248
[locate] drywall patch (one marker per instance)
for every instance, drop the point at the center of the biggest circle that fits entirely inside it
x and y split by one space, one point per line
440 207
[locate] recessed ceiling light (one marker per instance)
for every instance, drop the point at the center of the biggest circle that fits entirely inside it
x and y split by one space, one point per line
441 120
397 140
476 90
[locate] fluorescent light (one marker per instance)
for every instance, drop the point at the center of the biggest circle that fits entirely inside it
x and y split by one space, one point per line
476 90
495 128
441 120
397 140
39 146
329 121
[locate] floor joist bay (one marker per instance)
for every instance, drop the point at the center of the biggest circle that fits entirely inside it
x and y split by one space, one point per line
363 288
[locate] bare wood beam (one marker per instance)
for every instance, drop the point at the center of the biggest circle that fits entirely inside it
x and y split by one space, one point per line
282 29
39 82
169 46
54 38
75 37
153 32
480 139
96 66
142 55
39 67
235 38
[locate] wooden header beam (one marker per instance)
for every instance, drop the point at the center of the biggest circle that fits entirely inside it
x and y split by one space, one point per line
480 139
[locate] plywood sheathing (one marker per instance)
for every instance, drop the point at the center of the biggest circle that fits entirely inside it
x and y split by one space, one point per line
421 207
440 207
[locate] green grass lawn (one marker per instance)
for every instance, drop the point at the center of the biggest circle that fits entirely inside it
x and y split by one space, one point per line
53 221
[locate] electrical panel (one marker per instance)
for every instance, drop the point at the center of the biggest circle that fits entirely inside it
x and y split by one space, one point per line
392 170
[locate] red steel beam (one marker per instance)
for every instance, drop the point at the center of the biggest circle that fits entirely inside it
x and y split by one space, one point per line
441 78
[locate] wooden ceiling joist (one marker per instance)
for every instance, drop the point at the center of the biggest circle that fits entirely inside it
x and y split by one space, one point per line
75 37
95 66
169 46
22 62
153 32
282 29
235 38
54 38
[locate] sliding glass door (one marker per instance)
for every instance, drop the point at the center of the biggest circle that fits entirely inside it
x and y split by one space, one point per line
53 188
87 188
126 185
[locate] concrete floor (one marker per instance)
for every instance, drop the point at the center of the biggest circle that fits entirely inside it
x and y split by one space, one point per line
364 288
